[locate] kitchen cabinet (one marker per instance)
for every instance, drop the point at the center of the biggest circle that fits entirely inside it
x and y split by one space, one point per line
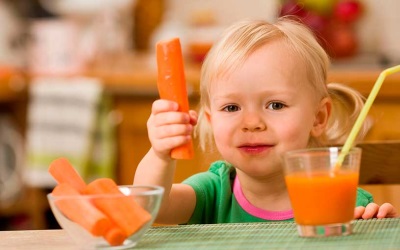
13 98
13 106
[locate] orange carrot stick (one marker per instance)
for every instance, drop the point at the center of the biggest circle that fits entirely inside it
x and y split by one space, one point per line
83 212
115 236
171 85
123 211
63 172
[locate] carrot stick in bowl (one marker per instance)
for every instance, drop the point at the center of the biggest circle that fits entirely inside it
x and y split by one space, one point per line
123 210
171 85
81 211
63 172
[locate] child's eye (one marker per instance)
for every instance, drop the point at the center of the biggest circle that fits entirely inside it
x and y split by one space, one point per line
231 108
276 105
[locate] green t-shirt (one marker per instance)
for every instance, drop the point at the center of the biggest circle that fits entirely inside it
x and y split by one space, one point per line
216 202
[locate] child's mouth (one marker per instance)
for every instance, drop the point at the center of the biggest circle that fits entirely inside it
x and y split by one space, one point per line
254 149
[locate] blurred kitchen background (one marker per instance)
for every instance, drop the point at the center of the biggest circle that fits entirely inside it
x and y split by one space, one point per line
77 79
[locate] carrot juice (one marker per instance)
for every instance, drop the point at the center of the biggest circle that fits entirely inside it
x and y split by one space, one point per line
322 194
320 198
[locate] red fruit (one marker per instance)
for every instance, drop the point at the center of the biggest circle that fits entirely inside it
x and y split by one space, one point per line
291 8
314 21
340 40
347 11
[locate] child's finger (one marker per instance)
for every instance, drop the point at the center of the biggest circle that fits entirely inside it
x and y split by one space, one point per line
173 130
193 117
387 211
164 146
370 211
358 212
169 118
163 105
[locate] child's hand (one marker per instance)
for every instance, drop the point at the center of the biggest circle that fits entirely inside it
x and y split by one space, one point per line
373 210
168 128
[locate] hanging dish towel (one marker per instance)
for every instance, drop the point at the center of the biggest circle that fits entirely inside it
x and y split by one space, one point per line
69 117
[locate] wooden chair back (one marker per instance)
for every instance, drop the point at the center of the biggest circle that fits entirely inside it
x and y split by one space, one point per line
380 162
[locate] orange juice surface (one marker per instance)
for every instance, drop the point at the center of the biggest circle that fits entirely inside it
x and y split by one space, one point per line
319 199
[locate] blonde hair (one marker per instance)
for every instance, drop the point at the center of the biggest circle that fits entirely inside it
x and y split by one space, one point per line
242 38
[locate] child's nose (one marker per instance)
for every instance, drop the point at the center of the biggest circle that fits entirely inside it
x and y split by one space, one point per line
253 122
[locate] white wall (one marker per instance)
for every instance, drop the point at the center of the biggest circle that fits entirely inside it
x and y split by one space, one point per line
226 11
378 29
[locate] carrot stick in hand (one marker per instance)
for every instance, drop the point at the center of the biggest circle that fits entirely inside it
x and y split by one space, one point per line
171 85
123 210
63 172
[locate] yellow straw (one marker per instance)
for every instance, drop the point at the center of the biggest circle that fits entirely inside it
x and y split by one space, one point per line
364 111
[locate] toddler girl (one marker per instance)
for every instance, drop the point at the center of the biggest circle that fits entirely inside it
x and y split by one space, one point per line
264 92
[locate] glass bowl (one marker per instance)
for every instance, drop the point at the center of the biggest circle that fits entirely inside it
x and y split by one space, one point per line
65 207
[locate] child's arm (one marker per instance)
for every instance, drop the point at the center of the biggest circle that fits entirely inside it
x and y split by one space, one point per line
167 129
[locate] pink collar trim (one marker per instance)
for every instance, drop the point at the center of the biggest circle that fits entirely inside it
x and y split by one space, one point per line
255 211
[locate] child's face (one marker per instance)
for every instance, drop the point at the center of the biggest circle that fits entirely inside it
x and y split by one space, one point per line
263 109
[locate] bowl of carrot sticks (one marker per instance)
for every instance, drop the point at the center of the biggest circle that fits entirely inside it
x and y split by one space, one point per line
101 214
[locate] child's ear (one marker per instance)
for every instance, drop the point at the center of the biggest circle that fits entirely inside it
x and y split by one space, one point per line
322 117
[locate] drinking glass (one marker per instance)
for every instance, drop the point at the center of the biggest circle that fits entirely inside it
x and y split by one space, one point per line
323 196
